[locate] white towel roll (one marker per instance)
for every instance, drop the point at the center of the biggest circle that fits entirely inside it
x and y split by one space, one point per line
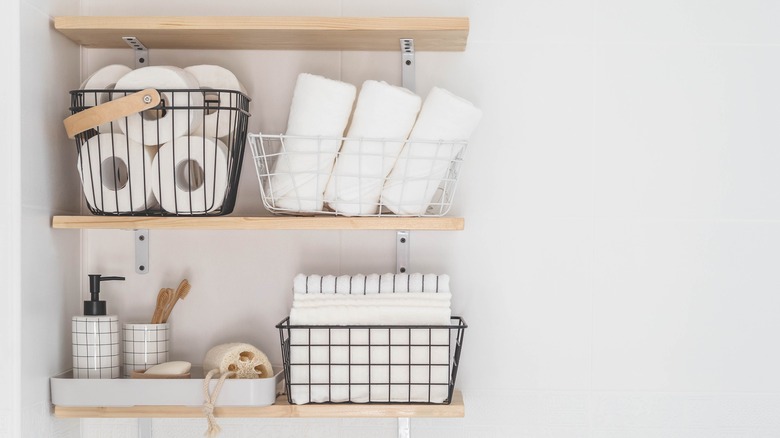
189 175
246 360
104 78
382 111
153 127
320 107
114 173
219 123
421 166
370 284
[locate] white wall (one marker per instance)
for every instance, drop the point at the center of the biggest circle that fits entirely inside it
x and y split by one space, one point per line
10 245
617 270
50 265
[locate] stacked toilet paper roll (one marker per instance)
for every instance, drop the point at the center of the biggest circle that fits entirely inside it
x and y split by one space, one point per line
182 113
184 166
246 360
114 173
99 86
220 122
189 175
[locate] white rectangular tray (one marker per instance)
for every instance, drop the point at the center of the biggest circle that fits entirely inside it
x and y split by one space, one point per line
67 391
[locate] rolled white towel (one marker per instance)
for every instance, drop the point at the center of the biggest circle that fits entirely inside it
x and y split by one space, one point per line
360 284
421 166
343 284
372 284
382 111
320 107
328 284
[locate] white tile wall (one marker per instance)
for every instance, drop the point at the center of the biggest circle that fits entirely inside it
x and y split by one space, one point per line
617 270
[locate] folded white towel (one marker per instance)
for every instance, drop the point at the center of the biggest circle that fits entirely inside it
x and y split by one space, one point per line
320 107
442 299
370 315
371 284
382 365
383 112
421 166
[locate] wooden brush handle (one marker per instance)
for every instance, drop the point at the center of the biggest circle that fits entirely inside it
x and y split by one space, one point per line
164 298
180 292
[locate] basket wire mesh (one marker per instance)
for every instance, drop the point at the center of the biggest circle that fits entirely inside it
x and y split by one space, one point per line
202 177
311 175
411 364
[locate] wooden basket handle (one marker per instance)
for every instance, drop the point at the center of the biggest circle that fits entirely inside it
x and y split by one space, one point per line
110 111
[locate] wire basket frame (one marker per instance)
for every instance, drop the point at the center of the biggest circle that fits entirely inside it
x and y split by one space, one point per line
321 175
411 364
196 175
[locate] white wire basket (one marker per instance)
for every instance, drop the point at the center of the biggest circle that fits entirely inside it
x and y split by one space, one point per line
318 175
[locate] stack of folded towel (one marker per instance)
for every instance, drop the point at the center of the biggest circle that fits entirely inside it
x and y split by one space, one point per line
376 364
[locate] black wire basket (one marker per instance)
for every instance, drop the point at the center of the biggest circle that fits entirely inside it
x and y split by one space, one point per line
410 364
159 152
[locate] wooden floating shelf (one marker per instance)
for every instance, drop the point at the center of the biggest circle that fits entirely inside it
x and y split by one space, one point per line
280 409
268 33
258 223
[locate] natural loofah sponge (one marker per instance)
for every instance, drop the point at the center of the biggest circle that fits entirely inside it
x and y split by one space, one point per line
247 361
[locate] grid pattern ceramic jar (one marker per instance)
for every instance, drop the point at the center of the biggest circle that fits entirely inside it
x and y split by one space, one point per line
95 347
145 345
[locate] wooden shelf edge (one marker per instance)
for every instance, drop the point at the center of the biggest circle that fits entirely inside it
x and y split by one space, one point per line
267 33
281 409
258 223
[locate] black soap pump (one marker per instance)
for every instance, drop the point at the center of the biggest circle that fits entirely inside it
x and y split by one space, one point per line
96 337
95 306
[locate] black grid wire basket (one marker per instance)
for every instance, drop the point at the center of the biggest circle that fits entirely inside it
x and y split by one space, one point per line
410 364
179 157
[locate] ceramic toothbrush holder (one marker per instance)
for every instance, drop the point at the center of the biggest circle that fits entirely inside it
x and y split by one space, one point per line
145 345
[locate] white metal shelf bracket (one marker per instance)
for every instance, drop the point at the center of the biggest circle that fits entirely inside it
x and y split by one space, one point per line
142 251
404 428
144 428
140 52
407 63
402 251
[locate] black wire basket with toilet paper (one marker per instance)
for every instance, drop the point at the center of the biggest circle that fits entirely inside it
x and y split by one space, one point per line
319 175
159 152
411 364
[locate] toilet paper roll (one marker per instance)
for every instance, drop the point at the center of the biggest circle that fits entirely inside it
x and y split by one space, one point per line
114 173
154 127
189 175
246 360
103 79
218 123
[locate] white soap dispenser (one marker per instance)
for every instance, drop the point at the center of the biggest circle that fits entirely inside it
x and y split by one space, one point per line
96 337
